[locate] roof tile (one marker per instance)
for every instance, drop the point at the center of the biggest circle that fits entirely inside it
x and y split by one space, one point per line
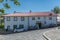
32 14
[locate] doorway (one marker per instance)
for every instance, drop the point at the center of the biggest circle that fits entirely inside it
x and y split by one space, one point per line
38 24
14 27
8 28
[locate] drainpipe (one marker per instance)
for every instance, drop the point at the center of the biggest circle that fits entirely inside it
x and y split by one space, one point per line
28 18
56 21
28 21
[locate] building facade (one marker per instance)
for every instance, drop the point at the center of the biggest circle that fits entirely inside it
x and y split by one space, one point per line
27 20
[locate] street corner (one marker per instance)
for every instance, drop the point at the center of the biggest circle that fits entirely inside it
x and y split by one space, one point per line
52 34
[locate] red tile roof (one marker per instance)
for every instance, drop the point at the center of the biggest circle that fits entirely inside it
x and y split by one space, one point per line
32 14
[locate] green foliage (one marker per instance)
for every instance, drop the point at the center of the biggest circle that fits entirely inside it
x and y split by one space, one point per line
16 2
2 26
2 11
1 1
6 5
56 9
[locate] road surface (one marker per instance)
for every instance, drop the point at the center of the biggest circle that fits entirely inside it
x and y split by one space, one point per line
30 35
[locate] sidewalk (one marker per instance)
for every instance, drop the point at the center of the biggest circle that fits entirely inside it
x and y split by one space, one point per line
53 34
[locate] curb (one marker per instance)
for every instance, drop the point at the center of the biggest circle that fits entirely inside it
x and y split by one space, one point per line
46 36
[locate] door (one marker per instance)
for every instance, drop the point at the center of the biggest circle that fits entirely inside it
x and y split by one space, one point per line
39 25
8 28
14 27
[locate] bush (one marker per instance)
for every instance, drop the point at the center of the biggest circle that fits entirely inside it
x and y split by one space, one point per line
2 26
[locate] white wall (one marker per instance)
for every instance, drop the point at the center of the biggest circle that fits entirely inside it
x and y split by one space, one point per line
18 22
42 20
31 22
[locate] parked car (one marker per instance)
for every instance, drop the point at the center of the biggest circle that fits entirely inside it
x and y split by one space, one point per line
18 30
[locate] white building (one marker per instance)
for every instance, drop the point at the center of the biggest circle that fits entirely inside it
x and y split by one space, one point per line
29 20
58 17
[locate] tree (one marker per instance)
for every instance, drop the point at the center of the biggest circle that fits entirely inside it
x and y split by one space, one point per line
7 6
56 10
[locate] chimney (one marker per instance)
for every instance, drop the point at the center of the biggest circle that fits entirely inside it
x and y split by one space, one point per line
50 14
30 11
14 11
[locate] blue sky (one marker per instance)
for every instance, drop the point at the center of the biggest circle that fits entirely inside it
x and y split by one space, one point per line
34 5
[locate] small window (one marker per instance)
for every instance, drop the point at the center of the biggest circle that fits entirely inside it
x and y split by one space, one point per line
33 18
50 18
15 18
21 26
38 17
15 26
8 18
22 18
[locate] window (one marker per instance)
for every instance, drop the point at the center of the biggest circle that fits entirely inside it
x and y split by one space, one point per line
38 17
8 18
33 18
15 18
15 26
50 18
22 18
21 26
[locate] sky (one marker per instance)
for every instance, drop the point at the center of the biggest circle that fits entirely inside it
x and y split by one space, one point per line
33 5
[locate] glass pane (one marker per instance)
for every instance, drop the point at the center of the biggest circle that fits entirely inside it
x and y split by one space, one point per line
15 26
38 17
50 18
33 18
15 18
21 26
8 18
22 18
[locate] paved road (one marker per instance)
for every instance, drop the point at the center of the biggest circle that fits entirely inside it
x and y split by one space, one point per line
30 35
53 34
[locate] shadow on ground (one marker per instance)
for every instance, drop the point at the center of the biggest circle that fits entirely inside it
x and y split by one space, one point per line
2 32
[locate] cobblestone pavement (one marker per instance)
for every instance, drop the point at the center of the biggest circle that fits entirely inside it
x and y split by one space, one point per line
30 35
